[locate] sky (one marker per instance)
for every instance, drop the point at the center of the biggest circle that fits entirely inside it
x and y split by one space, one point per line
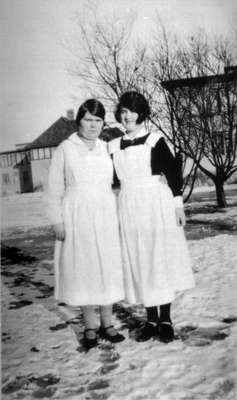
36 88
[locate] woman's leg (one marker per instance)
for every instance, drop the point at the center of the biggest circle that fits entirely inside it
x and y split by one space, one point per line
165 312
106 315
89 317
165 328
148 330
152 314
107 330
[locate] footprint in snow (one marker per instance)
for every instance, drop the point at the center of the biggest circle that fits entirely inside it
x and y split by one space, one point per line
98 384
41 385
229 320
195 336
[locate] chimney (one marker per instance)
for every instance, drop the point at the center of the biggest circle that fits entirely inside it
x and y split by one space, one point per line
70 114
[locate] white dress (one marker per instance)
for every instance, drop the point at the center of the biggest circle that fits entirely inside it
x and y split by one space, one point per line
88 268
155 254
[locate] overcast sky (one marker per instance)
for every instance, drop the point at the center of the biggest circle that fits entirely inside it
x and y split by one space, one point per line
35 86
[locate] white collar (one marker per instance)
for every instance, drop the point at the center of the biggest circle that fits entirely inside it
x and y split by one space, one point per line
140 133
76 139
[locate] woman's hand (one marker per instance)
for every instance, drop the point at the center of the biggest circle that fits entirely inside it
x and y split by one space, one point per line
59 231
180 216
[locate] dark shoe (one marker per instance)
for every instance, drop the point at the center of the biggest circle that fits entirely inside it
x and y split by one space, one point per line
88 342
165 332
109 333
146 332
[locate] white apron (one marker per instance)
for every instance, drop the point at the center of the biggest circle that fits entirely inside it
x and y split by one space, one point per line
155 254
88 269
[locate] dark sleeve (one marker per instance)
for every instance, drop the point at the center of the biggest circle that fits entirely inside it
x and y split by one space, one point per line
116 181
163 161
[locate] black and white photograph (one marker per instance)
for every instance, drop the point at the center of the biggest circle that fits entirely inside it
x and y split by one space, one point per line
118 197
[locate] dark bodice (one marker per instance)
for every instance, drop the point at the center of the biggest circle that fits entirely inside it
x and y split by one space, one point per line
162 162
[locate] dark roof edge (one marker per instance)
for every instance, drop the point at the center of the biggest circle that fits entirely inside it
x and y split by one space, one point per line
199 80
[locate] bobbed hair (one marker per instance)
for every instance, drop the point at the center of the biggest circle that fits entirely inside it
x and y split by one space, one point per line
93 106
135 102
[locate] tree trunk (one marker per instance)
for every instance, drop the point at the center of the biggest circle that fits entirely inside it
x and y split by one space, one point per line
220 194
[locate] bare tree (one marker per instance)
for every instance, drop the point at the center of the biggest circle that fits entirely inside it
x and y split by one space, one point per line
110 62
201 101
165 65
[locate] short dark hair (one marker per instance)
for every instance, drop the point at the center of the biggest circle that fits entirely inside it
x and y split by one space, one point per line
93 106
135 102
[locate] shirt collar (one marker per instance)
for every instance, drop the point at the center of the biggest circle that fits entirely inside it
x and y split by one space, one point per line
76 139
140 133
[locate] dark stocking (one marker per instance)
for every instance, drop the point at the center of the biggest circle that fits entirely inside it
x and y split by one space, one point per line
165 312
152 314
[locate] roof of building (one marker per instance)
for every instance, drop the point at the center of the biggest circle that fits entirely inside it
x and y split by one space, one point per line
55 134
62 129
229 76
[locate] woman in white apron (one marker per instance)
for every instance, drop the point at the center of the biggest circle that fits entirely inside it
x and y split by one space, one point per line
82 208
151 213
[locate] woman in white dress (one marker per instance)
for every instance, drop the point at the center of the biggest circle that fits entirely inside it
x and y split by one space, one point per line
82 209
151 213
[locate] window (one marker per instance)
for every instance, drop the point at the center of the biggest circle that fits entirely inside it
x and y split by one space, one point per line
9 160
18 157
35 154
28 159
47 152
5 179
4 161
14 158
41 154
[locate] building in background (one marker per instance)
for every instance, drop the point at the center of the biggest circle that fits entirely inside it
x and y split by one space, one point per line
42 148
204 114
15 170
25 169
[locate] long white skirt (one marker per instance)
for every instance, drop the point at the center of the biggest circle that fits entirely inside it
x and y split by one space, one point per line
155 254
88 267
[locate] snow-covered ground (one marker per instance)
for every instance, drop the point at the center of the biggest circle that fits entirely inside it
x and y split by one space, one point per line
41 352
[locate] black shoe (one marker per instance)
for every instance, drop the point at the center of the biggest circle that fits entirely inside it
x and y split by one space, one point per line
146 332
165 332
88 342
112 337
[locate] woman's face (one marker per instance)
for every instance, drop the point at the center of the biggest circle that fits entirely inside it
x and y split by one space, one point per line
90 126
129 119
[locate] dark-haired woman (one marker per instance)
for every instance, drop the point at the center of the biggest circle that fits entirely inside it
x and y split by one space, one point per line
151 213
82 208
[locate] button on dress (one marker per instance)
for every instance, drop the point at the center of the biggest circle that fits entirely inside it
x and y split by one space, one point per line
88 267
